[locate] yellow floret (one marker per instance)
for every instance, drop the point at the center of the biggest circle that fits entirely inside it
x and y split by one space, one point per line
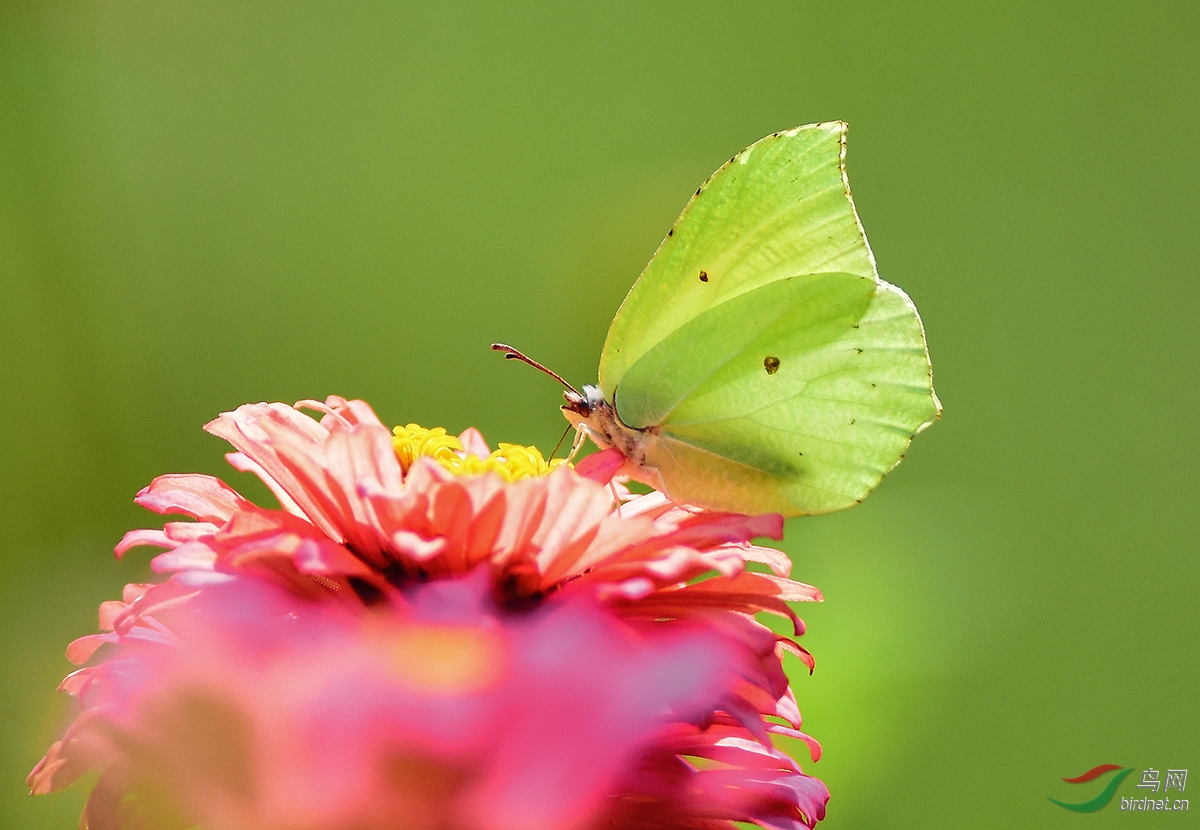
512 462
414 440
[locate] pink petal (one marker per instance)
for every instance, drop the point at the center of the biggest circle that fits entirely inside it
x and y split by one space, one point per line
473 443
418 547
134 590
601 466
106 808
82 648
76 683
109 611
202 497
814 746
286 446
193 556
140 538
63 763
243 464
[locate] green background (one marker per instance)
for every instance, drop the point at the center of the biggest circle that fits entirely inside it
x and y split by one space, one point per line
208 204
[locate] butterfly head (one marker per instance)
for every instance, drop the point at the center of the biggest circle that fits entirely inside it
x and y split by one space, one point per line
583 404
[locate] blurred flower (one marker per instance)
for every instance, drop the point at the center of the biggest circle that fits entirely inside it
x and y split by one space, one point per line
429 634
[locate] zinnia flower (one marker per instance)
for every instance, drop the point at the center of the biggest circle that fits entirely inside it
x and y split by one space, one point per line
429 634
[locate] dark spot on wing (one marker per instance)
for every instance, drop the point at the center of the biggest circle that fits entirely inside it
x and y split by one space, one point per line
857 349
703 276
854 326
771 364
851 422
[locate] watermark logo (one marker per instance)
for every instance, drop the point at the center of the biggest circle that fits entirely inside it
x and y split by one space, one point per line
1172 779
1152 780
1101 800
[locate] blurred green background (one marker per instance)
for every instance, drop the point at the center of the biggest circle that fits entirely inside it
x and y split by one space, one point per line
203 204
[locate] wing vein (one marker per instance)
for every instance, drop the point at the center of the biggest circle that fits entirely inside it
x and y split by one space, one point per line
701 379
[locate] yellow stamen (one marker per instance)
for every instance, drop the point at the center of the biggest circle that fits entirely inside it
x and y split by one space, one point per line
512 462
414 440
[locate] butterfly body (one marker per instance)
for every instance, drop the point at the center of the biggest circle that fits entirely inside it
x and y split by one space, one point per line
590 413
759 364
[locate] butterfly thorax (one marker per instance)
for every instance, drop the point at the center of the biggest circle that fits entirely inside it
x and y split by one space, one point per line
590 413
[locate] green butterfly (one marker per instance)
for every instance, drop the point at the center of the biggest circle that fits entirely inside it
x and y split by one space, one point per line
759 364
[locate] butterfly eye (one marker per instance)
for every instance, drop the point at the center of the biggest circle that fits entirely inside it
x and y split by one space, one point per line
771 364
703 276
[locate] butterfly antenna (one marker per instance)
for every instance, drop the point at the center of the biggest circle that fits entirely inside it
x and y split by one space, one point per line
512 354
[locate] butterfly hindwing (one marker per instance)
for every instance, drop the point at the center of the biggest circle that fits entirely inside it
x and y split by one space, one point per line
824 401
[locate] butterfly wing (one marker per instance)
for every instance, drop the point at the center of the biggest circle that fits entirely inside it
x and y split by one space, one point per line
779 208
776 370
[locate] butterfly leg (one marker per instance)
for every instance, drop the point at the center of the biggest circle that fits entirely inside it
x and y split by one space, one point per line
577 444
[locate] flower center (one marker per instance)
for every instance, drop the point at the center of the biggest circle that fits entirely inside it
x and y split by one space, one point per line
512 462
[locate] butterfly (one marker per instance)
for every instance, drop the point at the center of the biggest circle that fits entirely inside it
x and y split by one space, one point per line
759 363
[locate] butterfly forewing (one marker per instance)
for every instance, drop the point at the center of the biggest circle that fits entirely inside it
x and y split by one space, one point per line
778 209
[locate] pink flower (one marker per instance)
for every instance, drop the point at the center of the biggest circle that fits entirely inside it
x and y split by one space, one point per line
399 639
